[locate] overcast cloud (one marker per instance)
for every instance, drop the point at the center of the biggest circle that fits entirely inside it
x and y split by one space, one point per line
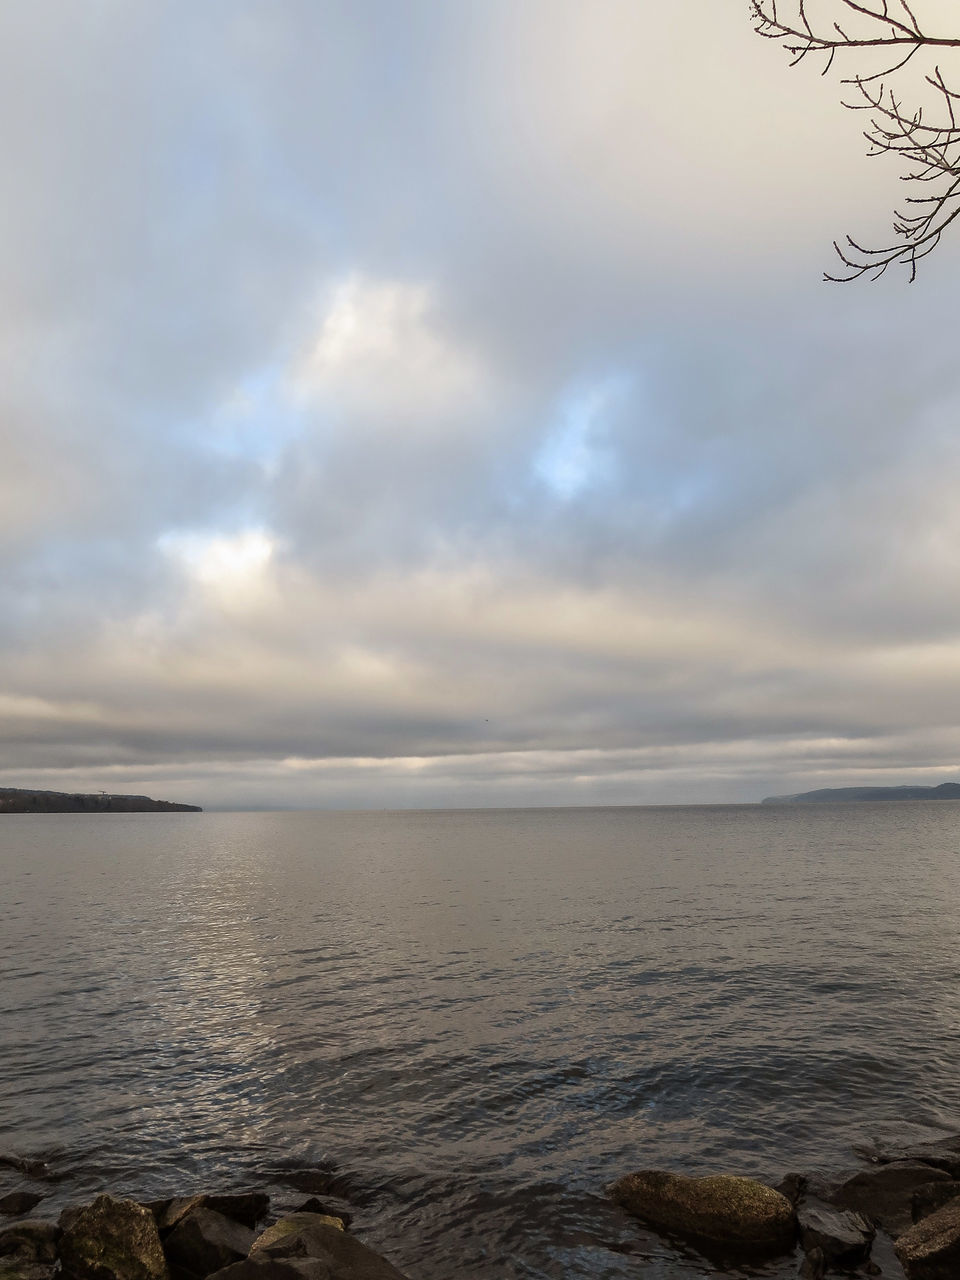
428 403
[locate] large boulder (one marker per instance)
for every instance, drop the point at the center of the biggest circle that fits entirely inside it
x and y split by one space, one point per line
930 1250
203 1241
885 1192
842 1236
735 1212
302 1240
111 1240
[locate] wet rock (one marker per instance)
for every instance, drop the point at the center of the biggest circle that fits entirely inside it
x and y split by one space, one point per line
931 1197
311 1238
930 1250
31 1241
814 1265
841 1235
322 1182
737 1212
28 1251
246 1207
169 1212
36 1170
19 1202
313 1205
157 1207
792 1187
796 1186
15 1268
943 1154
111 1240
276 1269
885 1193
204 1241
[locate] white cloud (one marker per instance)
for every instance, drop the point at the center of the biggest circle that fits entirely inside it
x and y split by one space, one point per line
381 352
231 567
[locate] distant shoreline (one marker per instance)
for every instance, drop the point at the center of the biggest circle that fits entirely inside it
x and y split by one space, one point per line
22 800
859 795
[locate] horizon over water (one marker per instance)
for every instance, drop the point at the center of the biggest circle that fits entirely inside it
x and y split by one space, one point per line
480 1016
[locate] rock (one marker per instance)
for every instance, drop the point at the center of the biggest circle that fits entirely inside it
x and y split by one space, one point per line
204 1241
943 1154
34 1241
723 1209
305 1238
276 1269
843 1237
313 1205
931 1197
19 1202
930 1250
111 1240
885 1193
322 1182
16 1268
296 1235
792 1186
34 1169
246 1207
174 1211
814 1265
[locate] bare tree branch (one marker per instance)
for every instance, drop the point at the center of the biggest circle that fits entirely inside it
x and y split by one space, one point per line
929 151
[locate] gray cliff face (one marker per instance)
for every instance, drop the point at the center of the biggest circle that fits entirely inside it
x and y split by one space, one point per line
21 800
858 795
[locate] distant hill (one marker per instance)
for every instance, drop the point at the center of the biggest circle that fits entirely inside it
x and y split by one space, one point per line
856 795
18 800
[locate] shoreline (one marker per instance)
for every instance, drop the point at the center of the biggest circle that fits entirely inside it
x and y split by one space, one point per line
897 1215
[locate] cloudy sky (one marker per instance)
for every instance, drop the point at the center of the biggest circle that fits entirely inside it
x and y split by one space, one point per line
439 404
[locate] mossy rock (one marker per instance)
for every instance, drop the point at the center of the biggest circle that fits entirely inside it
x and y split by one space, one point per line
295 1235
733 1212
111 1240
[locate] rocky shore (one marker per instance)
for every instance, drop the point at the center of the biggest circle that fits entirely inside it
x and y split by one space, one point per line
896 1215
227 1237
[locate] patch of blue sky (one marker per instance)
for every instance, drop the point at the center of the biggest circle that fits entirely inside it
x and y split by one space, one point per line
259 420
577 454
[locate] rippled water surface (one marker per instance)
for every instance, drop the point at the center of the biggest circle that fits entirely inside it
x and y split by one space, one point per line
480 1017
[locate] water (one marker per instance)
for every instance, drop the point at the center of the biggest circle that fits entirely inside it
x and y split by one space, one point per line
481 1017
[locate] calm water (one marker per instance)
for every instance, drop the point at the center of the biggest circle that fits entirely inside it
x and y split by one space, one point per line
480 1017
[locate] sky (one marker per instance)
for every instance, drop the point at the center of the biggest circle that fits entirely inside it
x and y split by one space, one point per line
432 404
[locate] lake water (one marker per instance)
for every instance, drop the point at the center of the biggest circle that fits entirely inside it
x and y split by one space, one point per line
482 1017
